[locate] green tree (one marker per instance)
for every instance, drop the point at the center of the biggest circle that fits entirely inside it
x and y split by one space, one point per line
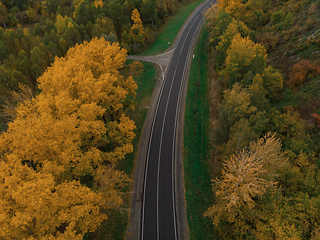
258 93
85 12
72 35
277 17
38 57
4 52
115 12
38 30
10 36
3 15
224 40
61 24
10 79
149 12
32 14
272 82
24 63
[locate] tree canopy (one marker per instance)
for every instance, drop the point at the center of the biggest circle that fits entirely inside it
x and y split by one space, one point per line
74 130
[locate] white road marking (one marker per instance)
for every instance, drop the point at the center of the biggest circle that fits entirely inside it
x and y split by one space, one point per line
160 147
152 129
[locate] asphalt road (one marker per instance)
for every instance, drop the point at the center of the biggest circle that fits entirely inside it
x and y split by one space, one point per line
158 209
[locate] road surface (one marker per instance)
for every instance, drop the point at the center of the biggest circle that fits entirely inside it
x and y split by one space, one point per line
158 208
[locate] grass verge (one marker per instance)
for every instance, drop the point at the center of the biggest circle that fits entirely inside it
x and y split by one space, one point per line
116 225
197 145
146 83
170 30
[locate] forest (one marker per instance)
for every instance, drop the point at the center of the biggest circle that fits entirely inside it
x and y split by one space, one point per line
34 32
265 66
67 91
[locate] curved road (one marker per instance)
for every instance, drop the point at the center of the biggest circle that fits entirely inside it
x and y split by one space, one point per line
158 207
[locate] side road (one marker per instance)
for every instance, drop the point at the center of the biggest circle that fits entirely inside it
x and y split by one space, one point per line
162 60
133 230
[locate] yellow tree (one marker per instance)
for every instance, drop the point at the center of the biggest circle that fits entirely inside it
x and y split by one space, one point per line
243 56
98 3
234 28
78 92
34 206
234 7
137 27
74 129
224 39
246 177
236 104
90 73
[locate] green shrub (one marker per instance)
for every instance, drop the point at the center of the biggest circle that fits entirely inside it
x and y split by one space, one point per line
277 17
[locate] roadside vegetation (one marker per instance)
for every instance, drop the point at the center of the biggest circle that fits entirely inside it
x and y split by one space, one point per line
264 161
103 133
33 33
197 144
76 150
146 74
59 155
170 30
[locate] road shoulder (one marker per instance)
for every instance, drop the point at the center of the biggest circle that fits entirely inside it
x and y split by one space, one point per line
133 231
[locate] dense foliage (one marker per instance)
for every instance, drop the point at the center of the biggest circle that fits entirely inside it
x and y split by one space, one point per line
58 155
269 185
34 32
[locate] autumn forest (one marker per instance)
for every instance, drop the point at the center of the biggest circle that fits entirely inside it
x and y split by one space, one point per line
265 110
67 88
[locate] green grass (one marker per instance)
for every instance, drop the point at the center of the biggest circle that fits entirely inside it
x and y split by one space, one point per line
146 83
197 145
170 30
116 225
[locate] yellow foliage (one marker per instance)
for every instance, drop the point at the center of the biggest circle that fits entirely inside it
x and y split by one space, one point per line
98 3
50 132
56 127
234 7
70 25
236 104
35 207
55 140
246 176
241 55
61 23
89 72
243 51
316 234
234 28
211 16
137 26
26 32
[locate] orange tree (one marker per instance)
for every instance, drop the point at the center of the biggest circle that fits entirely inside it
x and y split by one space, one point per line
74 130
